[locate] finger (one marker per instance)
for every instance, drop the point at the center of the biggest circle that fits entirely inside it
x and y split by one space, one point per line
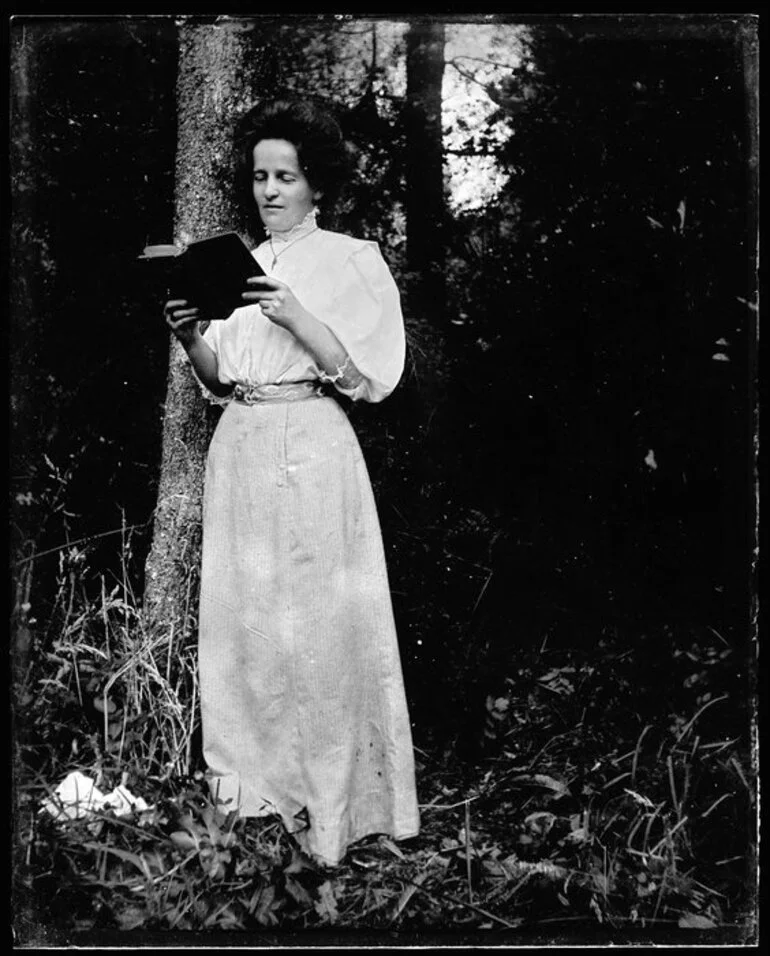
188 315
173 304
264 282
178 322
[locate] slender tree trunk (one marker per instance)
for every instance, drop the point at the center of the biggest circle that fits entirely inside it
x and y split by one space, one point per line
217 80
425 169
31 263
31 272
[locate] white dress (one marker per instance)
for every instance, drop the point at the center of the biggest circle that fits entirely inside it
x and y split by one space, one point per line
302 696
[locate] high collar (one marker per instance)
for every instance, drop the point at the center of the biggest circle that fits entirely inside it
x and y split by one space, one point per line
303 228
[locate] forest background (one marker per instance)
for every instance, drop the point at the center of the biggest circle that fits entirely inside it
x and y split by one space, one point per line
565 476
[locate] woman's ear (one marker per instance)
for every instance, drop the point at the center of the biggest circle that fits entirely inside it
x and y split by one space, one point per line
317 196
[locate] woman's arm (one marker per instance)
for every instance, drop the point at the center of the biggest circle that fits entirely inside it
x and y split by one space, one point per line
326 349
279 304
184 321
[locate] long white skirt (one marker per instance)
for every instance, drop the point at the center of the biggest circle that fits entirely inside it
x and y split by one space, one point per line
302 695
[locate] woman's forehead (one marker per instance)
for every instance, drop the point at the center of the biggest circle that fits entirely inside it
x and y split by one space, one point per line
274 153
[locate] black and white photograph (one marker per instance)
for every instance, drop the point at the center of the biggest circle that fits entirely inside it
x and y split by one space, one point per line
383 500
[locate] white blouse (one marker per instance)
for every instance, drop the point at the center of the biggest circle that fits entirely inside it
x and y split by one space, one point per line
342 281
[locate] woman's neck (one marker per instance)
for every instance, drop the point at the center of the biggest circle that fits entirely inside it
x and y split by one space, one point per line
302 228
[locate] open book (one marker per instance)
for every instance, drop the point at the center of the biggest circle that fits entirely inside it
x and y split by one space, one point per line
210 273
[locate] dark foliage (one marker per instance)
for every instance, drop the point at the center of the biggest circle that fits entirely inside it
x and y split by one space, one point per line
598 407
88 364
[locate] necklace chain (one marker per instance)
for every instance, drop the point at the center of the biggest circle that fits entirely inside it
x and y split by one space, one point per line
277 255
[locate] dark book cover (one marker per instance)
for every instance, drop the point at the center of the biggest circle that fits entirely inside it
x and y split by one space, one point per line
210 273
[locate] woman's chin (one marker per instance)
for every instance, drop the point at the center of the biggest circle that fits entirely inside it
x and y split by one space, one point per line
277 220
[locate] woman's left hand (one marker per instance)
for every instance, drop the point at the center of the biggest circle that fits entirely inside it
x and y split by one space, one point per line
275 298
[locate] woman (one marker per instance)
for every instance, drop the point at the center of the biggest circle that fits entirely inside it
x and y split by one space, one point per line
302 696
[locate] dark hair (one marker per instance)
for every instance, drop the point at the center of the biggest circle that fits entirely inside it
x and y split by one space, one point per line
312 130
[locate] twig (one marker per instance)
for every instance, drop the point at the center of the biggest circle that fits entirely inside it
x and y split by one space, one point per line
668 836
641 920
636 753
481 592
672 785
704 707
734 761
439 896
447 806
163 876
716 803
468 848
616 779
717 634
71 544
484 59
650 820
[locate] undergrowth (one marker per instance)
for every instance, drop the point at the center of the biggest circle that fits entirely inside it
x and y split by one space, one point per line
612 788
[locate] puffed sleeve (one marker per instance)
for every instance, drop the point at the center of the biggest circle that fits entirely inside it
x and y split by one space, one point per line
365 315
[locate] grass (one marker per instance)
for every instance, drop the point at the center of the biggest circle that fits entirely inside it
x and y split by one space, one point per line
613 788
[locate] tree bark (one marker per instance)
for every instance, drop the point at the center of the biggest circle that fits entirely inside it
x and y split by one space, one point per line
425 169
218 78
31 262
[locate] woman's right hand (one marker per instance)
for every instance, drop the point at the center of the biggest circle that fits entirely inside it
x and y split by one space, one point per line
182 317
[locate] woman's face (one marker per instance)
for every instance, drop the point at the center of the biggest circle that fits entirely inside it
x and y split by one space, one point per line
281 190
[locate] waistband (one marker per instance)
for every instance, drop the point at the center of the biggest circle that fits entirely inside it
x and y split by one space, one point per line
289 392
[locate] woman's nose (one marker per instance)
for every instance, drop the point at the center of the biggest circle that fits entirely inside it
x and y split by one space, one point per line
271 187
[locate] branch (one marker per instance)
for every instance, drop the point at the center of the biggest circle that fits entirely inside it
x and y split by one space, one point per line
468 76
469 151
482 59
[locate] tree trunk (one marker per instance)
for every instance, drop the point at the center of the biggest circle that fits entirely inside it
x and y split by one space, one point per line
217 80
31 270
425 169
31 263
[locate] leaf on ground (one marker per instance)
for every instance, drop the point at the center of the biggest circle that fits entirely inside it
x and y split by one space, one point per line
363 864
408 894
541 821
577 836
185 841
494 869
131 917
559 787
297 864
390 845
298 892
326 905
264 912
695 921
639 798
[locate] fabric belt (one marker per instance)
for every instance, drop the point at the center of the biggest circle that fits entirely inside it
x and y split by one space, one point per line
289 392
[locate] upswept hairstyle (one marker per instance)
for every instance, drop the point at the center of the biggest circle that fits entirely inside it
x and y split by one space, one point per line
312 130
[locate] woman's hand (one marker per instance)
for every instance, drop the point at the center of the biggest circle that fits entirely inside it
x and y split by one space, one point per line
277 301
182 317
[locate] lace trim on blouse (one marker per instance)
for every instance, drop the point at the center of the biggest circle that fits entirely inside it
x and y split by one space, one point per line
346 376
